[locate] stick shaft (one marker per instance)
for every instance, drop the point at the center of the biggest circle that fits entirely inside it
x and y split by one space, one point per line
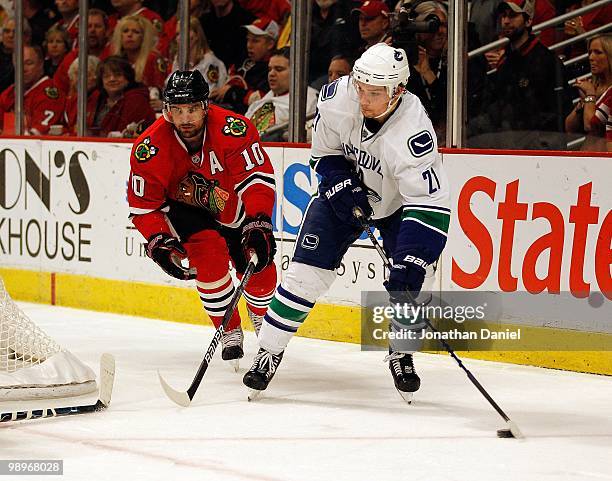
221 329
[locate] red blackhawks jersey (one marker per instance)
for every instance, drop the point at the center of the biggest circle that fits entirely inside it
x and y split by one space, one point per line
231 159
43 106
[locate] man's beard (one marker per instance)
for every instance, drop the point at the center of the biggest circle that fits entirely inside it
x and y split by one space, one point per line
516 33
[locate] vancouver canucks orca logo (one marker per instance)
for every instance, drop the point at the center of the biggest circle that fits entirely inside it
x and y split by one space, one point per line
397 55
421 143
329 90
145 150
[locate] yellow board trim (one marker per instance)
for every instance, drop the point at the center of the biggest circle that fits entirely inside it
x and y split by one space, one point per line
326 321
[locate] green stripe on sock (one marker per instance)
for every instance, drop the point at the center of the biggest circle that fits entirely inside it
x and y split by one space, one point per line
287 312
439 220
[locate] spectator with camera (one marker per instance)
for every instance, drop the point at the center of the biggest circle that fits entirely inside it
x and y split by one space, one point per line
428 80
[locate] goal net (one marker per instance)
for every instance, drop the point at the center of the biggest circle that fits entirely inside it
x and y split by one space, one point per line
32 365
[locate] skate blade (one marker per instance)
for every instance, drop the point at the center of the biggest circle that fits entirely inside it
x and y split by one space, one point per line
235 364
407 396
254 394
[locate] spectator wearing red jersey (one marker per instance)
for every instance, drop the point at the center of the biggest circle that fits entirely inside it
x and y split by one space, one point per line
69 10
123 108
277 10
593 113
125 8
248 82
70 115
43 104
97 43
134 38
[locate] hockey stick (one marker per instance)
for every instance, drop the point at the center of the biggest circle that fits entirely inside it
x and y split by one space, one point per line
184 398
107 379
512 429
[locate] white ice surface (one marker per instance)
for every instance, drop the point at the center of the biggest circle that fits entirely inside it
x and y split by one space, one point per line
331 413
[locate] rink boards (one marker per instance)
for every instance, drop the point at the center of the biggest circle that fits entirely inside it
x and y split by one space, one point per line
524 222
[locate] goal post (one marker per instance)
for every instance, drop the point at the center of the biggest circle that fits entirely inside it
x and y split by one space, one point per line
32 364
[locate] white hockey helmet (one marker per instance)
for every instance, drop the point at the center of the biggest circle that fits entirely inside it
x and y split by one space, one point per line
384 66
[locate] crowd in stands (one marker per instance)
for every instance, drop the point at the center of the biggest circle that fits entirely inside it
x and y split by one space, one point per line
525 95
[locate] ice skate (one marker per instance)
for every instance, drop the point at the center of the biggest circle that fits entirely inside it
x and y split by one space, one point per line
404 376
232 347
261 373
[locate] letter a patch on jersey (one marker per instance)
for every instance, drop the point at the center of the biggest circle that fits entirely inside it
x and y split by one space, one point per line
421 143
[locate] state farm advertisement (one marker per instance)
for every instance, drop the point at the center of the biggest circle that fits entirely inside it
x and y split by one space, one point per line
535 224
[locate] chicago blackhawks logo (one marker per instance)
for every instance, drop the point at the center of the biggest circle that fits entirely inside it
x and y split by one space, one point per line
195 189
235 127
145 150
212 75
52 93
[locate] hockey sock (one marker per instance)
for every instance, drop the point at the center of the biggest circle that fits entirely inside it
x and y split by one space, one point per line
285 315
215 297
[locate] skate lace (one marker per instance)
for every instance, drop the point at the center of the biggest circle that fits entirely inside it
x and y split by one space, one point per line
232 338
256 320
395 359
266 358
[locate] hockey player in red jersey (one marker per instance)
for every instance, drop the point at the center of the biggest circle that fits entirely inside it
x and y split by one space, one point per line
202 188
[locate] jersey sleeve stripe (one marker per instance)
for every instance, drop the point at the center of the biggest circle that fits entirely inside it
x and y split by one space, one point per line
427 207
137 211
434 220
257 177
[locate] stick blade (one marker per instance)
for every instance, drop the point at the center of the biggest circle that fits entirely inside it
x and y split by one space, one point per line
107 378
514 429
254 395
178 397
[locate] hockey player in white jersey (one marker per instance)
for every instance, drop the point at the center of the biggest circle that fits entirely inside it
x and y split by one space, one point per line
374 147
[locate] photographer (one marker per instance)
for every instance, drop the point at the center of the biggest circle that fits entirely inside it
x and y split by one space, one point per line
420 28
428 79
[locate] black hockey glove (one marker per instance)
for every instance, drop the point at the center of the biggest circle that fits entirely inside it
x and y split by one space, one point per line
345 191
407 275
167 252
257 235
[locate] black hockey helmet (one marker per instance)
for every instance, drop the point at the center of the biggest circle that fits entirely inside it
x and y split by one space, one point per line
186 87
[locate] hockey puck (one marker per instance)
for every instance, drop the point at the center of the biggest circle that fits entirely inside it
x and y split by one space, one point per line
504 433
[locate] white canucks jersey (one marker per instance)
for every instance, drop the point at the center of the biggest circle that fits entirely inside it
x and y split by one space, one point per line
400 162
